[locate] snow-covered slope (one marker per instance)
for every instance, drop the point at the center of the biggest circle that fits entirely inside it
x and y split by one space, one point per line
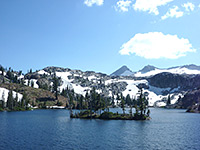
177 70
155 94
69 82
4 94
119 82
35 85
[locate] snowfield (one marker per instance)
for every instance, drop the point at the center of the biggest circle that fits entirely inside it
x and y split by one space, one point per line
43 72
66 81
4 94
174 71
154 93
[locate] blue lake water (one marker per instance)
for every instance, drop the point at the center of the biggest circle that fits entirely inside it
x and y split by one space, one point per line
53 129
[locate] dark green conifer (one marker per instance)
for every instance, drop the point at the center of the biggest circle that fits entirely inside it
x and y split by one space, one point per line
123 104
168 100
55 85
32 83
10 100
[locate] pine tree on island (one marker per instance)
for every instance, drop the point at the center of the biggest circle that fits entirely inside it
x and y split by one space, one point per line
122 104
168 100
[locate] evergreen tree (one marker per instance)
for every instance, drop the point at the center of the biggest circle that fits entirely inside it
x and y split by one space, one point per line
28 82
55 85
33 104
50 88
16 101
25 101
32 83
93 103
148 113
128 100
98 102
168 100
87 100
10 100
118 97
102 103
71 104
22 81
22 103
15 80
2 70
123 104
3 100
20 73
90 105
142 103
107 104
113 101
81 102
10 75
131 107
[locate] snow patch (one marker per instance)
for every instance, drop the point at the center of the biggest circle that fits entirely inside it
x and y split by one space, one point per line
91 77
43 72
174 71
4 91
66 81
35 85
80 90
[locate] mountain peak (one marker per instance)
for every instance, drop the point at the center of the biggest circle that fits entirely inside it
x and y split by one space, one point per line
147 69
122 71
191 67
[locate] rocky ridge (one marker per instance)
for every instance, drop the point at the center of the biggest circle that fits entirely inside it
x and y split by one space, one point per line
159 86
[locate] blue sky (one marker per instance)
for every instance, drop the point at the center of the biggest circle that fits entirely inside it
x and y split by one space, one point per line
99 35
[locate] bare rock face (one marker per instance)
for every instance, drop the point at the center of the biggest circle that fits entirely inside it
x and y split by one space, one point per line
190 100
123 71
165 80
55 69
147 69
34 75
195 108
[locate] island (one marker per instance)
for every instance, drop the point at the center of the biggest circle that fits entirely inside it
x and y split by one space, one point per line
140 104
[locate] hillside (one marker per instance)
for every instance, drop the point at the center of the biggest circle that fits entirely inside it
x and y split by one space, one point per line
158 84
35 95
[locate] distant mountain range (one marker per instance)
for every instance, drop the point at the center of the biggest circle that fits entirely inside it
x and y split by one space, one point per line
152 70
159 84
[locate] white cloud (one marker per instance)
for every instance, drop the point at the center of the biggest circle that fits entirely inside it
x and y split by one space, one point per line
89 3
188 6
155 45
173 12
150 5
123 5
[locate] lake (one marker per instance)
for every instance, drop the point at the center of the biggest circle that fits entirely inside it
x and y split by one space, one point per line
53 129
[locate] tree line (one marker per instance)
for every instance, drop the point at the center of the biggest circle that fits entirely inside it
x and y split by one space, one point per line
96 103
13 103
